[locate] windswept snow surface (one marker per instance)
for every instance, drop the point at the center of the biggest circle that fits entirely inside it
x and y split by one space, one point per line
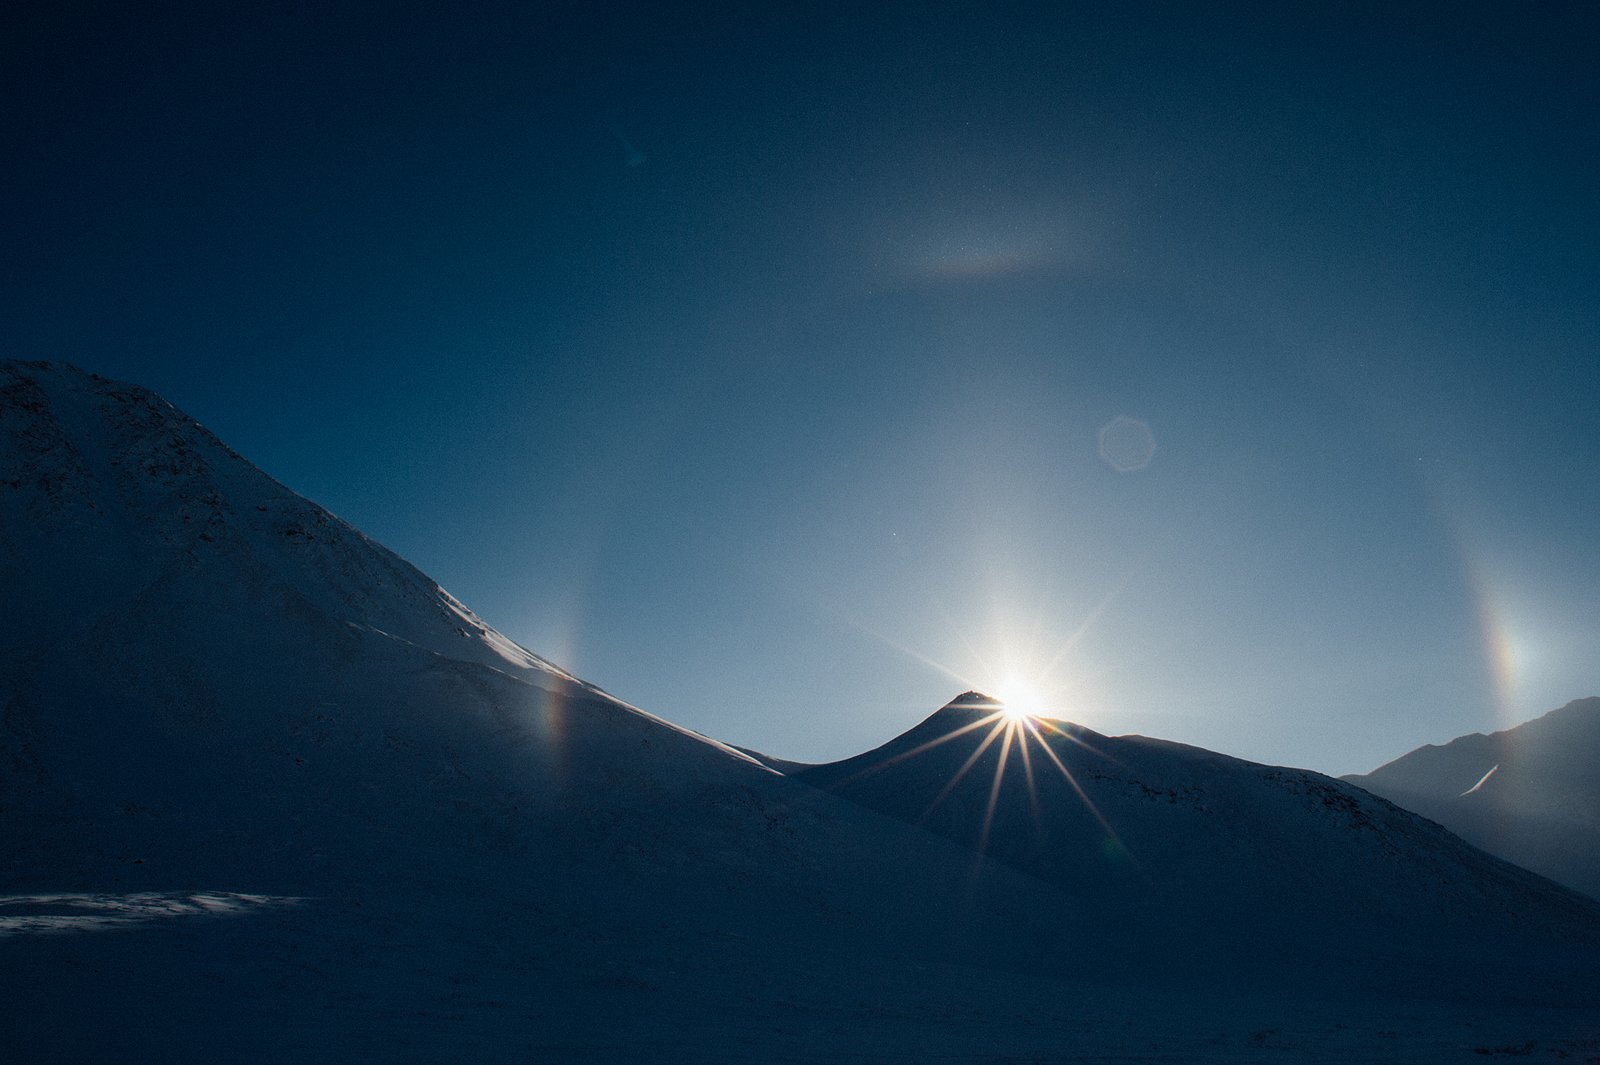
1530 794
270 794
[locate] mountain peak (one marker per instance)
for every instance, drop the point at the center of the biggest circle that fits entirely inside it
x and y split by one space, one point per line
970 702
135 501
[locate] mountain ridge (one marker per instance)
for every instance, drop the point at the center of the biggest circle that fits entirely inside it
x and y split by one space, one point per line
1529 793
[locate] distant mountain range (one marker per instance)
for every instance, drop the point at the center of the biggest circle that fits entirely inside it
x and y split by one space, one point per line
270 794
1530 794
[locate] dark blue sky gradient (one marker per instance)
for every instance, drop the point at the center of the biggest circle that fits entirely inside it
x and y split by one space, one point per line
751 365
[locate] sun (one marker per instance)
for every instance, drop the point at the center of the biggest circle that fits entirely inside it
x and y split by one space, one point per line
1020 699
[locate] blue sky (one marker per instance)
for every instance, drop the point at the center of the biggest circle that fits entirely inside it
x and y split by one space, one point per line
753 365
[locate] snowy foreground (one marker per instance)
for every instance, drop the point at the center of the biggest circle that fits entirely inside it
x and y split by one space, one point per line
269 794
366 979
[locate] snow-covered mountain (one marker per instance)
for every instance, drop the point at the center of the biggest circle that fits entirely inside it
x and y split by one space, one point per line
218 699
1225 857
270 794
1530 794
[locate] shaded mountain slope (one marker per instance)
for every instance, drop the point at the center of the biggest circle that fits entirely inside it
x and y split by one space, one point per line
1530 794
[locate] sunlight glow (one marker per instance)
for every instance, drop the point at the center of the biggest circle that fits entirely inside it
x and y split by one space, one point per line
1021 687
1020 699
1014 728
